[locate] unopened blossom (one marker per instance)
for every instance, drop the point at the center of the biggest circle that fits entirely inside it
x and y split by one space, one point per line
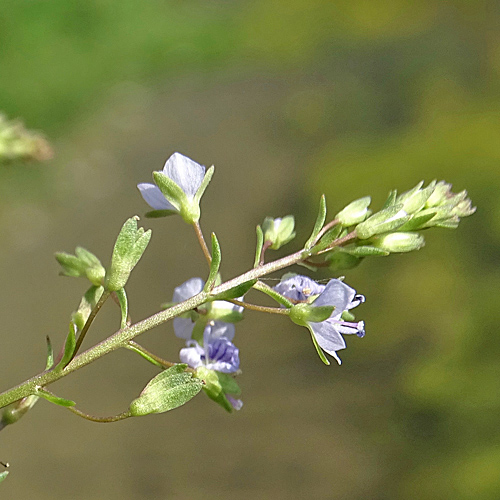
327 333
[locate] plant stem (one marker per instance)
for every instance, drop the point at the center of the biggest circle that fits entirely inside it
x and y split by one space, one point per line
203 243
105 295
102 420
122 337
255 307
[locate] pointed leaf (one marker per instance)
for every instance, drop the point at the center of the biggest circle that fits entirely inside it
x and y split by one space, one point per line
327 239
235 292
320 221
54 399
3 475
50 354
214 265
69 348
260 244
122 300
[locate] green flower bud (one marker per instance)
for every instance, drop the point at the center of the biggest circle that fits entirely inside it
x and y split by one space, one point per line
399 242
355 212
416 198
384 221
168 390
129 247
83 264
278 231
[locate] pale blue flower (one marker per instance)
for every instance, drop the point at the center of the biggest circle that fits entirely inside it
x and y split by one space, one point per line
328 333
217 352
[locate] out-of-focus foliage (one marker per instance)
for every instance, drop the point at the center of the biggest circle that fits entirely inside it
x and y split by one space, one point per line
374 95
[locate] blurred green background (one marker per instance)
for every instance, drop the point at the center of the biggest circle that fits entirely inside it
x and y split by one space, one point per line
289 100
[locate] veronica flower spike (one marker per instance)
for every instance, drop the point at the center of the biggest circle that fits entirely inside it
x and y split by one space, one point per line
326 334
178 188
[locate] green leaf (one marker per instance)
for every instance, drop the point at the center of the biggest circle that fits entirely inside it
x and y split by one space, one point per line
3 475
50 354
168 390
280 299
69 348
87 304
123 301
327 239
54 399
214 265
146 356
235 292
260 244
320 221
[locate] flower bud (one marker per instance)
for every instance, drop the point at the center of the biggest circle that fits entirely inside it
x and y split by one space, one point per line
399 242
83 264
278 231
415 199
129 247
355 212
384 221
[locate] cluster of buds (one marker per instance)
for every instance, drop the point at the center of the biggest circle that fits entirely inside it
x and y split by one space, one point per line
17 143
394 229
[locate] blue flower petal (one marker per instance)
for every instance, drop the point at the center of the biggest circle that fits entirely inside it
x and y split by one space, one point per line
188 289
186 173
154 197
337 294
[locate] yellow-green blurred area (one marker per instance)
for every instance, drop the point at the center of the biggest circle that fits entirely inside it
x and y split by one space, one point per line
289 100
